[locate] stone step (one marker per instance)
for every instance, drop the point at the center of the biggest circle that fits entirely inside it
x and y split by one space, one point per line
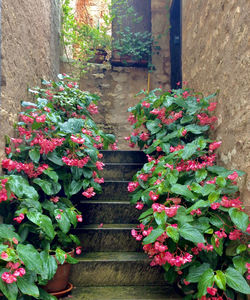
113 190
125 293
120 171
121 156
97 211
115 268
109 237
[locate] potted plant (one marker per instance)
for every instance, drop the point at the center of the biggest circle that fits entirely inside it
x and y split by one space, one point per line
54 156
194 226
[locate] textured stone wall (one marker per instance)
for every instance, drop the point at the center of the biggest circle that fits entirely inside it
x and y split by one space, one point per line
30 51
216 56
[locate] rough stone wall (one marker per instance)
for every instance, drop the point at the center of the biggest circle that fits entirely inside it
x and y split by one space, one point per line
216 56
30 51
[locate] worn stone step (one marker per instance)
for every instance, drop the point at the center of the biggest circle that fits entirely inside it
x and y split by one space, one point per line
125 293
120 171
121 156
113 190
97 211
115 268
109 237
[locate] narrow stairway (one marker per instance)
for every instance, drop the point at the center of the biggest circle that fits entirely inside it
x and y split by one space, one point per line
113 265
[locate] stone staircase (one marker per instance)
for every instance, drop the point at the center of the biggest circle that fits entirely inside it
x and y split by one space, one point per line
112 265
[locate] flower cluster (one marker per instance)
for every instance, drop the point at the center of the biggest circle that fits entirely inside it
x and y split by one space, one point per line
192 221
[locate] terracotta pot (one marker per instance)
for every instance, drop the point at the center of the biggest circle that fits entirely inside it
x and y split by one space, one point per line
61 278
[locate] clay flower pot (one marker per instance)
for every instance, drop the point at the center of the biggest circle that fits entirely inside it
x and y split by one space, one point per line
61 278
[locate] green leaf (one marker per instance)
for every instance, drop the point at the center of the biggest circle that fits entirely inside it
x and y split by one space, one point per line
179 189
73 125
74 187
207 189
160 218
200 175
49 265
71 216
213 196
146 213
196 129
27 286
21 187
236 281
173 233
240 264
31 257
219 249
186 119
153 236
60 255
188 151
45 296
63 221
8 232
239 218
9 290
71 260
34 155
241 248
206 280
221 181
92 153
182 216
198 204
220 280
45 185
52 174
153 126
196 272
192 234
43 221
231 248
52 156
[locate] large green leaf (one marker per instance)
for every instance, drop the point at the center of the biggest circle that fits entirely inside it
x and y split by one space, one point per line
220 280
200 175
63 221
160 218
192 234
27 286
219 249
74 187
43 221
73 125
45 185
52 174
31 257
52 156
179 189
146 213
198 204
21 187
45 296
153 126
34 154
239 218
240 264
236 281
188 151
173 233
8 232
10 291
196 272
196 129
153 236
206 280
49 265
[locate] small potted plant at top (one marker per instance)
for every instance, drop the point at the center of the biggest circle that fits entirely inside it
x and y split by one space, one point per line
54 156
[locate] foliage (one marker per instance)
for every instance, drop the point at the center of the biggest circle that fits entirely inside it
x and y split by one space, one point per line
54 157
195 225
82 40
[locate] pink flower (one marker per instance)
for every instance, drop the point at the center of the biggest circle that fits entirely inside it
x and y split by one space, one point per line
15 241
212 291
132 186
184 132
58 217
41 119
144 136
214 206
54 199
235 235
99 165
145 104
186 282
139 205
233 176
4 255
158 149
99 180
143 177
78 250
93 109
89 192
19 218
79 218
214 146
153 196
212 106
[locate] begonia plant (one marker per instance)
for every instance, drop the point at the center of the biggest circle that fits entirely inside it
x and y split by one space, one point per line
55 155
194 224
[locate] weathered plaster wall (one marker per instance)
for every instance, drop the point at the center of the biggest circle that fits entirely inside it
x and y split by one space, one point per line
30 51
216 55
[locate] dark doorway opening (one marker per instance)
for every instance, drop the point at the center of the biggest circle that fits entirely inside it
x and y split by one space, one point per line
175 43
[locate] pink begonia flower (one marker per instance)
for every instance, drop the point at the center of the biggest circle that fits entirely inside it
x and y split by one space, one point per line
139 205
78 250
212 106
233 176
4 255
89 192
212 291
79 218
58 217
184 132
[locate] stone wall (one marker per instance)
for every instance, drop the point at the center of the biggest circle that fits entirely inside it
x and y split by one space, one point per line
216 56
30 51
